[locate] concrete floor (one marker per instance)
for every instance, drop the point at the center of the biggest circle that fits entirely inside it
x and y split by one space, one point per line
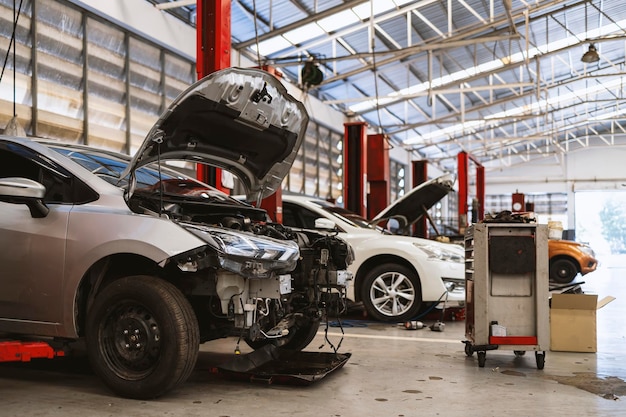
392 372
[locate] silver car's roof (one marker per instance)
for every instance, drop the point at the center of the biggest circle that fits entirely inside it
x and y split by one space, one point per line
241 120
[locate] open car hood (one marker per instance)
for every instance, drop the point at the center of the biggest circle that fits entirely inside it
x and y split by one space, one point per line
241 120
410 208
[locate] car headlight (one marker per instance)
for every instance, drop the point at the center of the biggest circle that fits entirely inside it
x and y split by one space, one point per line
249 255
437 253
587 250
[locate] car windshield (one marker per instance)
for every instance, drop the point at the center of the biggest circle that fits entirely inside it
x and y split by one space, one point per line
109 167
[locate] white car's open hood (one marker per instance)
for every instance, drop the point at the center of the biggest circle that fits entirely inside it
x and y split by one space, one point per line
241 120
418 201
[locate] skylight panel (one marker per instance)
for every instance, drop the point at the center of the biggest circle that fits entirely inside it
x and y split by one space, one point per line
402 2
272 45
364 11
304 33
338 21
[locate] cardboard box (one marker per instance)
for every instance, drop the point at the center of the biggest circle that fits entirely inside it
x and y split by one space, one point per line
573 322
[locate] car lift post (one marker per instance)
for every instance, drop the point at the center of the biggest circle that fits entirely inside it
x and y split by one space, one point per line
378 174
213 23
419 175
463 159
355 167
212 54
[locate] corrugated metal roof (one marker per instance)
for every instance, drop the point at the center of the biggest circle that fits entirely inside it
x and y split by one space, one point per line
481 77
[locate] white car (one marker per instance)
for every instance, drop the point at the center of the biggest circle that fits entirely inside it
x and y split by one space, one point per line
396 277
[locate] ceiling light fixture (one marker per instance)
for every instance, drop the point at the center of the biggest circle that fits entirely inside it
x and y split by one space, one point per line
591 55
311 74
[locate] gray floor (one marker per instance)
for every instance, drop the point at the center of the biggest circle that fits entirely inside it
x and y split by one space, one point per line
392 372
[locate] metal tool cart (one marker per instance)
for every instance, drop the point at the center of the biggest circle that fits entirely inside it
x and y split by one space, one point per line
507 289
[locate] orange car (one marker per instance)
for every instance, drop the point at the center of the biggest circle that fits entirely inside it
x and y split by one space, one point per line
568 258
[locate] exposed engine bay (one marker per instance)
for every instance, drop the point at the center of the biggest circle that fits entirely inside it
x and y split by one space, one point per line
255 279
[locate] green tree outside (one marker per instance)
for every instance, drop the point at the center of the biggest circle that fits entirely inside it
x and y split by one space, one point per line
613 224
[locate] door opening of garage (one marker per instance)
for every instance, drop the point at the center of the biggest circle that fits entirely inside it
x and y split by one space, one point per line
601 221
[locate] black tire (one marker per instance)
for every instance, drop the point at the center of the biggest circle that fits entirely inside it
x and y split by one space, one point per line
482 356
391 293
519 353
298 338
563 270
540 357
142 337
469 350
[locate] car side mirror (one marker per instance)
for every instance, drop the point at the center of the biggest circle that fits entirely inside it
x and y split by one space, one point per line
393 225
324 224
18 190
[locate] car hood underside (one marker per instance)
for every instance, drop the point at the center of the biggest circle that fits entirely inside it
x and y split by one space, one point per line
241 120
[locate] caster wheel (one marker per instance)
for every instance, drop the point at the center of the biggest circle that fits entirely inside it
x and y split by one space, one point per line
519 352
541 359
469 351
482 356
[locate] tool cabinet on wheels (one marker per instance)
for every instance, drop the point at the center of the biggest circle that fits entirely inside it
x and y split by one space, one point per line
507 290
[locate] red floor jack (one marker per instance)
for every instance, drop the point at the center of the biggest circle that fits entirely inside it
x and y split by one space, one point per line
16 351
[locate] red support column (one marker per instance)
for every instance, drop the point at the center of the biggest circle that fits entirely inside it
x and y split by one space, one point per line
355 167
463 168
213 32
378 174
480 191
274 206
419 173
478 209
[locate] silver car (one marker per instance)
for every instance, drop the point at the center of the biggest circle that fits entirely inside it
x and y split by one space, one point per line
145 263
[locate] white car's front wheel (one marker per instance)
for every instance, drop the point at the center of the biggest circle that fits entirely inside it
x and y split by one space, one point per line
391 293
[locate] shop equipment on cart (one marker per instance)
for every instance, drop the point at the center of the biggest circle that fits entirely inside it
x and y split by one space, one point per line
507 289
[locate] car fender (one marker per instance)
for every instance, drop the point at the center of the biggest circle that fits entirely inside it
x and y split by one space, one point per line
155 238
562 248
581 254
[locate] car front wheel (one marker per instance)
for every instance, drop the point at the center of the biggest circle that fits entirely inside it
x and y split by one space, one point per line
142 337
563 271
391 293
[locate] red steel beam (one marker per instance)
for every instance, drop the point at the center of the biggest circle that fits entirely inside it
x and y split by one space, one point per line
463 159
463 178
355 167
377 174
419 171
213 44
480 191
